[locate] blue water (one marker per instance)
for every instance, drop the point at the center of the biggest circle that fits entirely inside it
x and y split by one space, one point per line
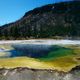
32 50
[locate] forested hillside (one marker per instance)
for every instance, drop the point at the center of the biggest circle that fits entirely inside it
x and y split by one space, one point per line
60 19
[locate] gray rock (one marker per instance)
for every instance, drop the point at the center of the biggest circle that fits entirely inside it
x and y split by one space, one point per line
31 74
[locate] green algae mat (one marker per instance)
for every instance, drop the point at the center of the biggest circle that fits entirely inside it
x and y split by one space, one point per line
55 57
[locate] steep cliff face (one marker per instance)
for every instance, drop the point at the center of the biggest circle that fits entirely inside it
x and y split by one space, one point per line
32 74
60 19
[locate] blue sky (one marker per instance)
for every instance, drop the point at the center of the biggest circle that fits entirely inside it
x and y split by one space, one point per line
12 10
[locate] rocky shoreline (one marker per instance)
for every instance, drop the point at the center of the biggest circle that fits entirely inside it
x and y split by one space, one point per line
20 73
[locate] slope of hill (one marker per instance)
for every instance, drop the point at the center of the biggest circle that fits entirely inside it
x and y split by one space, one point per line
60 19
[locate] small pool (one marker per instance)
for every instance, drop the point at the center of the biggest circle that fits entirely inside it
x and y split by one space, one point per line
41 51
59 55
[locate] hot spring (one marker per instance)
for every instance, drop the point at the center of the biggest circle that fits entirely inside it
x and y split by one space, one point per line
40 51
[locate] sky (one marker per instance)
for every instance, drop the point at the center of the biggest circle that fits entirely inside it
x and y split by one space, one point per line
12 10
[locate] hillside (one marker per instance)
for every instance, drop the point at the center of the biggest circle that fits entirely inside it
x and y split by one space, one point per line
60 19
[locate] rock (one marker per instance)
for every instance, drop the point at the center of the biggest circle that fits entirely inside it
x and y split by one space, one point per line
35 74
